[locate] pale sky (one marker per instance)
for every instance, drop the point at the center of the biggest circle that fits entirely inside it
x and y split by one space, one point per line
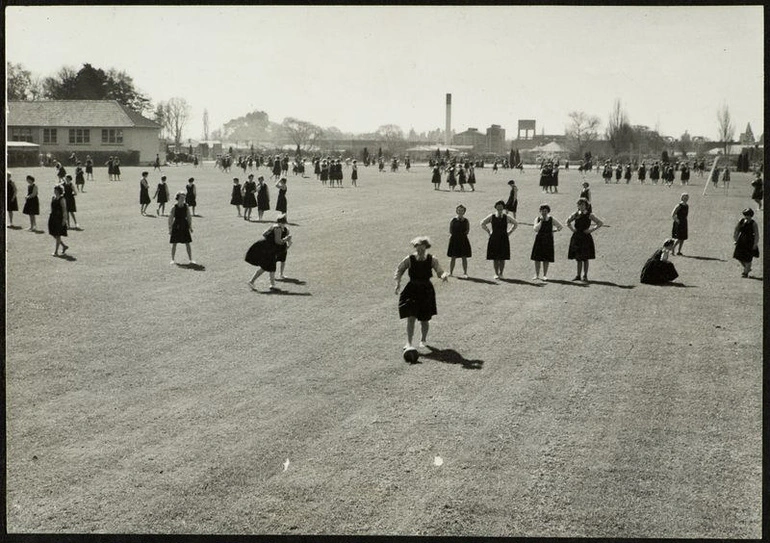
359 67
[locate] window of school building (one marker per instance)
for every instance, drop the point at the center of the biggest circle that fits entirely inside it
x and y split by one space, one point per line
112 135
80 135
49 135
21 133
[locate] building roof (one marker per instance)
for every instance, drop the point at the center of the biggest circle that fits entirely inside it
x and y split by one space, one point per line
75 113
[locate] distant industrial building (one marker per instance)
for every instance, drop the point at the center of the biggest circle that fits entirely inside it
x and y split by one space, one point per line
491 142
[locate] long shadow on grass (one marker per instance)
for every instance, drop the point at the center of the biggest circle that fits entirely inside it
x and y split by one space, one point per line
15 227
570 283
520 282
281 292
148 217
195 267
450 356
292 281
755 278
479 280
610 284
703 258
68 258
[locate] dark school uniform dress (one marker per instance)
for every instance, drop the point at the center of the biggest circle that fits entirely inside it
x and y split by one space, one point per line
57 226
744 246
277 168
282 250
513 202
162 196
436 177
69 197
12 203
89 166
354 174
80 177
263 252
471 177
685 174
180 228
280 203
642 173
759 189
263 202
110 168
656 271
459 244
190 200
451 180
581 244
249 198
418 299
236 198
116 168
679 229
461 177
542 249
498 245
31 205
144 193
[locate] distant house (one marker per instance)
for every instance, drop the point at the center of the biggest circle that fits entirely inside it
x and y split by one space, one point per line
99 128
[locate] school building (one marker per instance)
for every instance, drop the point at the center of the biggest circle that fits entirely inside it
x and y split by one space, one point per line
99 128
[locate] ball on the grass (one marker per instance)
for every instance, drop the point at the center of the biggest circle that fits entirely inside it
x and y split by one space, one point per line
411 355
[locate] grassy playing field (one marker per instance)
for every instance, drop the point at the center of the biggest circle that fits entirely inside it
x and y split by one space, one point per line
149 398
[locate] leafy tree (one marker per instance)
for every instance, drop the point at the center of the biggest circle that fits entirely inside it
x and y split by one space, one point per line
254 126
91 83
582 130
22 85
684 143
302 133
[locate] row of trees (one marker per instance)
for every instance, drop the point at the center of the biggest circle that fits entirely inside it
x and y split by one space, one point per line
625 138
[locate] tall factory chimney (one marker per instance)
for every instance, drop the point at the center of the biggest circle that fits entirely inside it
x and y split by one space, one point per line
448 133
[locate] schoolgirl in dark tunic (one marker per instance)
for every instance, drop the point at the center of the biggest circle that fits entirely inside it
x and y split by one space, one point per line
618 172
354 174
116 169
180 226
69 198
586 193
512 204
276 167
192 195
606 172
679 215
758 193
658 270
144 193
324 172
60 172
236 198
581 244
161 196
31 203
417 302
263 197
263 253
472 179
655 173
498 244
80 178
57 220
459 244
282 251
684 174
89 168
436 178
280 203
110 169
627 173
746 237
641 173
542 249
12 201
451 180
249 197
555 179
461 177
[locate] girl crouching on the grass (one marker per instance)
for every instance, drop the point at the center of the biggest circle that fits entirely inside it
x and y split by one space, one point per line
417 302
658 270
264 252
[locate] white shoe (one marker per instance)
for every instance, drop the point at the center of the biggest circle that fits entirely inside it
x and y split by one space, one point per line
408 346
422 345
536 278
545 278
497 277
464 276
172 262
